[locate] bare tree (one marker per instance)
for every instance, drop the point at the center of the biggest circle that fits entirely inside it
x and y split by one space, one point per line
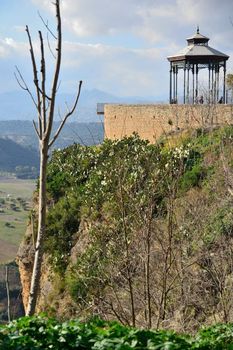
45 106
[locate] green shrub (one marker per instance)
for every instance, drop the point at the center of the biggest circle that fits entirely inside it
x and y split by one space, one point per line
41 333
37 333
192 177
217 337
63 222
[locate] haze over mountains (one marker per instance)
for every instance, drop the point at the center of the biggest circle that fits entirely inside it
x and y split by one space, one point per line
22 132
18 105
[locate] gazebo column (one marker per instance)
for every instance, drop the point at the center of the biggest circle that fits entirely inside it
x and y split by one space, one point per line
217 82
212 83
224 82
187 99
193 71
174 84
209 86
215 85
170 90
184 82
176 98
196 91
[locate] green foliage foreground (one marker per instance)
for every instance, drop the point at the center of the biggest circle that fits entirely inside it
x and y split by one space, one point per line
32 333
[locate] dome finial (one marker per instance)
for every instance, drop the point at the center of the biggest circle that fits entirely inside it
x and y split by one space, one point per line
198 29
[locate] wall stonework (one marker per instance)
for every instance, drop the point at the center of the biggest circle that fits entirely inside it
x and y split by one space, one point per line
153 121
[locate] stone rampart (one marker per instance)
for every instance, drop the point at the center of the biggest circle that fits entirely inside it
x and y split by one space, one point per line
153 121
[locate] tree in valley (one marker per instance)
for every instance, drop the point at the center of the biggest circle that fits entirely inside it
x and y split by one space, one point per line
45 103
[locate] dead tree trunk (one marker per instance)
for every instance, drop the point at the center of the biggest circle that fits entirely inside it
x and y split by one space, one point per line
35 280
45 106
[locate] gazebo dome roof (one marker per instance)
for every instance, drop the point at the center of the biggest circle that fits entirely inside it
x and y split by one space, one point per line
198 49
198 39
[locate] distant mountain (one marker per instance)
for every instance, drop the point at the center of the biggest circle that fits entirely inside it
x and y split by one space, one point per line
15 158
23 133
18 105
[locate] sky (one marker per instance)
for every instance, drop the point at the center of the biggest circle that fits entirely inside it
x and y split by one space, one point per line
116 46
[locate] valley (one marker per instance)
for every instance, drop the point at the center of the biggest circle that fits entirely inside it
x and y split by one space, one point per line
15 206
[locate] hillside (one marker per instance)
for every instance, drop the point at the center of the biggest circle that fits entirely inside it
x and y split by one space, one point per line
15 158
140 233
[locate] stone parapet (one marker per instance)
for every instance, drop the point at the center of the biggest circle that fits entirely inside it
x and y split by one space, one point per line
155 120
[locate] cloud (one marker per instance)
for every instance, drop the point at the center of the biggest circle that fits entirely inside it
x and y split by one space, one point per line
9 47
155 21
119 70
121 46
88 18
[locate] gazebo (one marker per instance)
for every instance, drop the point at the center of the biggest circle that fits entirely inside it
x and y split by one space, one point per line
191 60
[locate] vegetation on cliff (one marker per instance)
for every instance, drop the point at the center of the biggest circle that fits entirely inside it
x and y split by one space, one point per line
142 233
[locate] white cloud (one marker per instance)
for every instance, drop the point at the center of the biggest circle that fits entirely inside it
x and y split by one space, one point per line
154 20
119 70
3 51
9 47
158 27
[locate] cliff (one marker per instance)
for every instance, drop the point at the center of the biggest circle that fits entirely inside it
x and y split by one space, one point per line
140 233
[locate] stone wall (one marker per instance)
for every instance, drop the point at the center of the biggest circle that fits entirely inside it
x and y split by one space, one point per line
153 121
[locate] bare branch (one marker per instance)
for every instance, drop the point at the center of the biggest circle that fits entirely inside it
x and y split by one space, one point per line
36 129
49 46
58 85
67 116
57 71
22 83
78 137
90 132
19 83
43 79
47 26
33 59
35 76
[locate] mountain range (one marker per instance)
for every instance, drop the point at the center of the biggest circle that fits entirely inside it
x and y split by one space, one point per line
22 132
17 105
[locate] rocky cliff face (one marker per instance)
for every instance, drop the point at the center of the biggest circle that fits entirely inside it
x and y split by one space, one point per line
53 296
25 258
25 262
